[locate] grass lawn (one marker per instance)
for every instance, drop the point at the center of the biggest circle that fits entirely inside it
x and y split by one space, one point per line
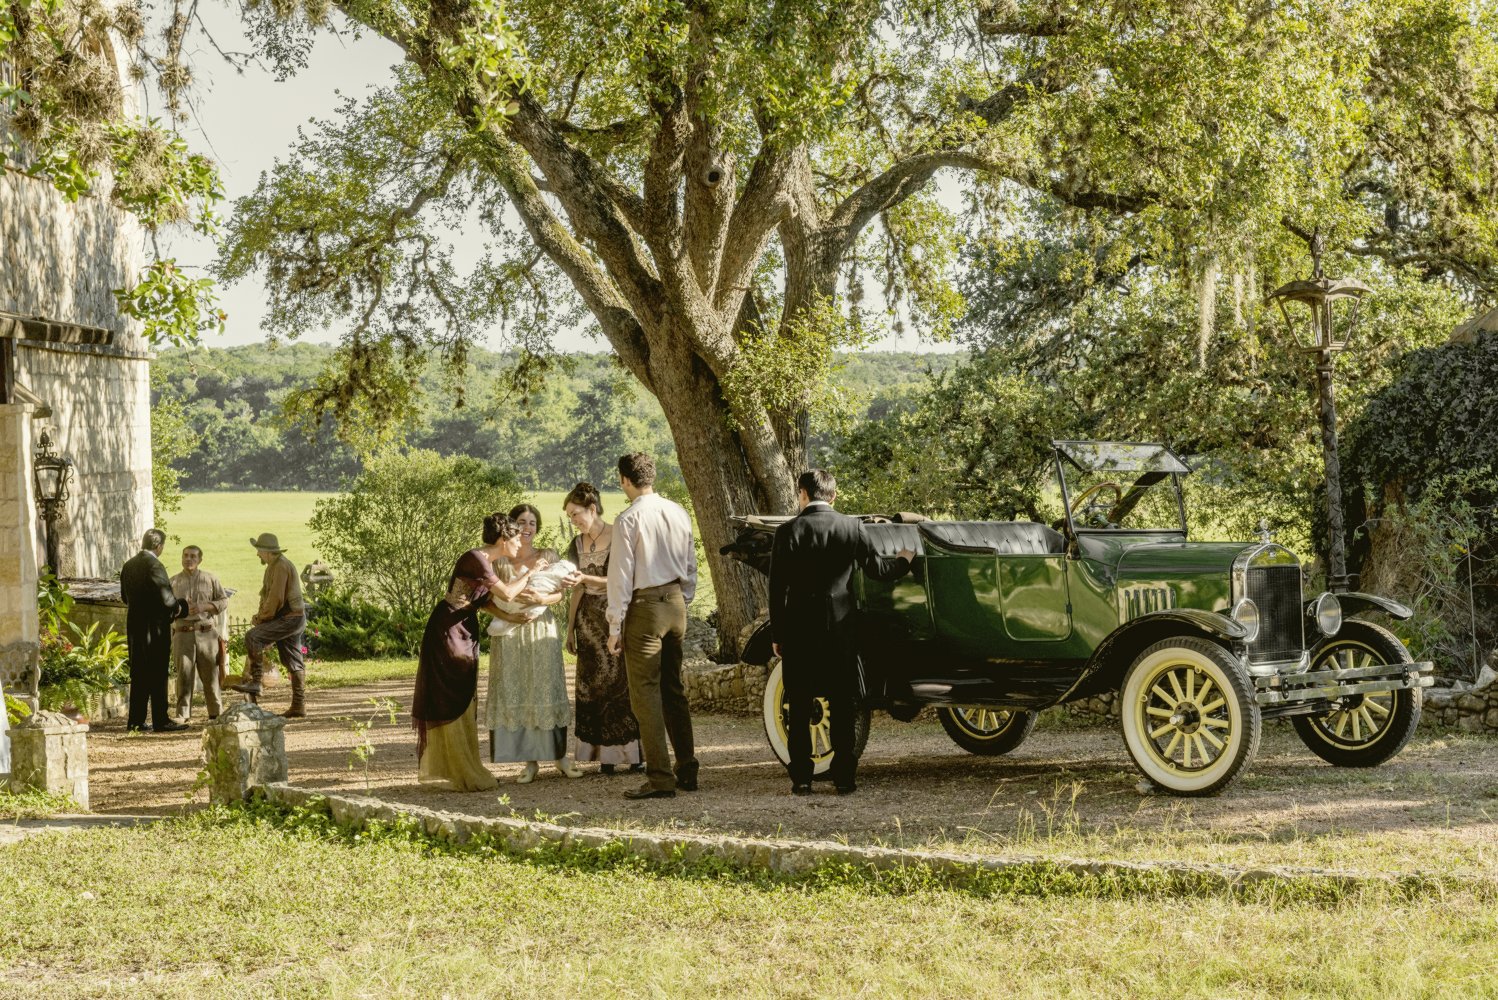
324 674
223 524
226 905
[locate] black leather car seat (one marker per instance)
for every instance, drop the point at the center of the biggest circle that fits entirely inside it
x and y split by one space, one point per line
994 537
889 538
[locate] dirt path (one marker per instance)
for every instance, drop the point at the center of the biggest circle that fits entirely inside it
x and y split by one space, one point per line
1067 787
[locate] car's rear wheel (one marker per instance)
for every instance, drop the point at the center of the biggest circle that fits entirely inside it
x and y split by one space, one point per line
777 719
1364 730
987 732
1189 716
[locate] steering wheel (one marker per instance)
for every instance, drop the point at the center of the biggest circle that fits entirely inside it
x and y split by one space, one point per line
1081 504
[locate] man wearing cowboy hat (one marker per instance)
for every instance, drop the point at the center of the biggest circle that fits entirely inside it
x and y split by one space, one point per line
279 622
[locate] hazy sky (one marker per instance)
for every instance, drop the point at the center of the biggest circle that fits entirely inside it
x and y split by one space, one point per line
248 120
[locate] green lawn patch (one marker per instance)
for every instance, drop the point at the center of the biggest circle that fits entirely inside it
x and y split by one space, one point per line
237 904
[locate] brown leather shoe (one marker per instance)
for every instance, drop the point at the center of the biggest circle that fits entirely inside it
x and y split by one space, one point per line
650 792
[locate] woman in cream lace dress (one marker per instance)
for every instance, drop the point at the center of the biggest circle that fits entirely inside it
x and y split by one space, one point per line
527 709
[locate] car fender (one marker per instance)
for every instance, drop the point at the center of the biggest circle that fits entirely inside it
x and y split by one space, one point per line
1105 668
760 648
1355 603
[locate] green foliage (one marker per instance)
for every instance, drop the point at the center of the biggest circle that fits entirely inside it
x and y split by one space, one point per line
174 309
1422 470
340 626
33 803
16 710
172 441
364 748
76 663
403 522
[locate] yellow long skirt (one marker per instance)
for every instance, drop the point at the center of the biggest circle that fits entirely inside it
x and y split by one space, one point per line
452 755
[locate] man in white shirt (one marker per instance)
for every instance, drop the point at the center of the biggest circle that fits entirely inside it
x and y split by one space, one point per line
652 578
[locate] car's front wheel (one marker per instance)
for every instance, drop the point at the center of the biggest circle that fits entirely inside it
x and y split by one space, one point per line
987 732
1189 716
1364 730
777 718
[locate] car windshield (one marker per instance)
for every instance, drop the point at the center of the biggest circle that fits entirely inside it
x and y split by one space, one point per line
1116 486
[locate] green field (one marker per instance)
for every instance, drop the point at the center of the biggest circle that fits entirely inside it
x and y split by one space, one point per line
223 524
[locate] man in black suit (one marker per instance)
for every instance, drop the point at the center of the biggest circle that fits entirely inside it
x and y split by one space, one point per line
147 590
812 613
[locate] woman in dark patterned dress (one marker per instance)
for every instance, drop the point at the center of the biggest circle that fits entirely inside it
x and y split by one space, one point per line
444 710
606 727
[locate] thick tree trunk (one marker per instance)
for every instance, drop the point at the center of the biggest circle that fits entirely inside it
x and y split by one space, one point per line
719 480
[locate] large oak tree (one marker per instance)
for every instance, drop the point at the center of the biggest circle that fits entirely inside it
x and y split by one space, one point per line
711 182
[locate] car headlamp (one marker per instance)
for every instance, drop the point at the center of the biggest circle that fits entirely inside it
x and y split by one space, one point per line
1246 613
1328 612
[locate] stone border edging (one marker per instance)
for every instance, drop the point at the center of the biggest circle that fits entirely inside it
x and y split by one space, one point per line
790 857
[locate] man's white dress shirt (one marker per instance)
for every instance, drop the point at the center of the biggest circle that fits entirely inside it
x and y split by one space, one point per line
652 546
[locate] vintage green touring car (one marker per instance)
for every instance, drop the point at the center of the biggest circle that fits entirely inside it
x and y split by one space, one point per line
1200 641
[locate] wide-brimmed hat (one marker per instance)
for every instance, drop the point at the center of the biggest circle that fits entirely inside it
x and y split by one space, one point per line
268 542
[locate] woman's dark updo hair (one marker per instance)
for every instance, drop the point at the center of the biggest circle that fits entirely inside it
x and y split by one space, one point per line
525 508
498 528
584 495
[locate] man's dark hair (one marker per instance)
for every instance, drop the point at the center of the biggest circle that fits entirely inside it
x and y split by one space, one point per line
192 548
638 468
818 484
153 539
498 527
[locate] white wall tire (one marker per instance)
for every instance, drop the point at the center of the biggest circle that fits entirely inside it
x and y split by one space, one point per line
776 716
1189 717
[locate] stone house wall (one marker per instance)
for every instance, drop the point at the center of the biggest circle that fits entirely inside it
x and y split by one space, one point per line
62 261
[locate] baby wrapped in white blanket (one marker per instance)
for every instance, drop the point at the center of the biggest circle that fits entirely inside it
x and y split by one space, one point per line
544 582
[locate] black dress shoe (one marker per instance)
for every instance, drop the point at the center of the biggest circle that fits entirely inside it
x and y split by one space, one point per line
136 729
646 792
846 789
686 784
801 788
171 727
605 768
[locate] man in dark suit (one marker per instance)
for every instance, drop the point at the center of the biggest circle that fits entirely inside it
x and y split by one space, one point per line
812 613
147 590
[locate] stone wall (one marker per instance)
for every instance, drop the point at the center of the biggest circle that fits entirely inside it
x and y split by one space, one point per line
62 261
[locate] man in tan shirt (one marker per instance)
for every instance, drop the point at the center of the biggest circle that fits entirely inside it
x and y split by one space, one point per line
195 637
279 622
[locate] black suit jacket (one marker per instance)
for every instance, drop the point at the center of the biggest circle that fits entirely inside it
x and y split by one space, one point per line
811 578
151 607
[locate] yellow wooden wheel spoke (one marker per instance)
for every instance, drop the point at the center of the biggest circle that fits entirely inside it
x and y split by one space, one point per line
1214 706
1164 696
1217 723
1377 706
1186 750
1201 748
1211 738
1175 685
1201 695
1191 685
1155 734
1357 725
1341 726
1158 712
1170 748
1368 719
1367 660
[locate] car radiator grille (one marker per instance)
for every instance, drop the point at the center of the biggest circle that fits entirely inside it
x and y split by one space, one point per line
1276 591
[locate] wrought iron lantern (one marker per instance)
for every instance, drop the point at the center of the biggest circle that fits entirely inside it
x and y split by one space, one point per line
1322 315
52 474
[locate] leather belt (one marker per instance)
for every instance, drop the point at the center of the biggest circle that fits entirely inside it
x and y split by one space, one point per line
674 587
195 628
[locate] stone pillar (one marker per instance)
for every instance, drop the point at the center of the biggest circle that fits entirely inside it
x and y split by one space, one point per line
244 747
18 554
49 751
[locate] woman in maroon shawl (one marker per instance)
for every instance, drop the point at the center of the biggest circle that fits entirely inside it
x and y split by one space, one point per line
444 709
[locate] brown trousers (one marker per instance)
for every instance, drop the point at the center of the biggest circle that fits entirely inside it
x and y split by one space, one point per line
654 626
195 655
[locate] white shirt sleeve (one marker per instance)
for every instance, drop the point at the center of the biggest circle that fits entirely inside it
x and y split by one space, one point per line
689 581
621 572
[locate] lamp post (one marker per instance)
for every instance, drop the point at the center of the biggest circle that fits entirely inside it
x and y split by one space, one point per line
51 473
1310 308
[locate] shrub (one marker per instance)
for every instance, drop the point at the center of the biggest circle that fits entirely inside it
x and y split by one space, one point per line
76 663
339 627
404 521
